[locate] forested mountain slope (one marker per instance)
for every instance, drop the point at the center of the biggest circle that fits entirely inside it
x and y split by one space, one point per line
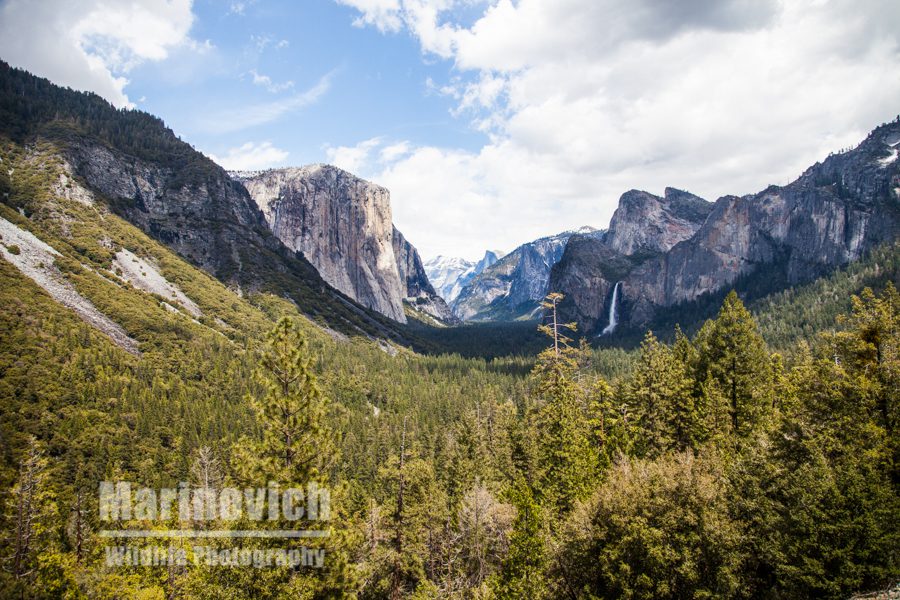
662 444
136 167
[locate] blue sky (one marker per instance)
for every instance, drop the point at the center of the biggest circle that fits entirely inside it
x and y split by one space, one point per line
375 83
491 122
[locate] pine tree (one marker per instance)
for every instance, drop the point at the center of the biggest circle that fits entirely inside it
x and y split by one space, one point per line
734 360
295 450
566 460
295 446
554 328
603 419
522 572
660 391
30 508
415 510
869 347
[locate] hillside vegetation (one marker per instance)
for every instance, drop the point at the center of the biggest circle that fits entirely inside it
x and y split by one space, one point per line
708 467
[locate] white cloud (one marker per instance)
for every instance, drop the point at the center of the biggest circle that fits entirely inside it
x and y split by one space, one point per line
260 42
383 14
251 156
369 157
93 44
236 119
355 159
394 152
266 82
239 7
582 100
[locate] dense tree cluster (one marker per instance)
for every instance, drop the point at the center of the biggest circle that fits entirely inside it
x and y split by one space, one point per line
713 469
30 105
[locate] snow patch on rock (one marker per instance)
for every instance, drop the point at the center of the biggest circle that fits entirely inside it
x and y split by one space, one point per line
889 159
892 141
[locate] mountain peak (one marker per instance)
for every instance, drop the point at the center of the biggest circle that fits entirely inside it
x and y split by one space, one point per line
644 222
674 249
450 274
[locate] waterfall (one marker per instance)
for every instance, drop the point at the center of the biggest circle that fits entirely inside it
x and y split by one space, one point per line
613 311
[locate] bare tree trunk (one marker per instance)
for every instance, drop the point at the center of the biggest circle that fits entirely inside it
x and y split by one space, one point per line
26 510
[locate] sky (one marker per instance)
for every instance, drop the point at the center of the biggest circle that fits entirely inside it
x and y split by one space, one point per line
491 122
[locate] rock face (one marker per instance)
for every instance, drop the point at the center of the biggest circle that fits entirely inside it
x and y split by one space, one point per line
419 292
341 224
647 224
828 217
513 287
586 274
203 222
449 275
130 162
212 221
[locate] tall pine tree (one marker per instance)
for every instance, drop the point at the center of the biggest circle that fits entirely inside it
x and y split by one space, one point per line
735 369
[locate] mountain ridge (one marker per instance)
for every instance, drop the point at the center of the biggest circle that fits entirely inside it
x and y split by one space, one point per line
513 286
450 274
824 219
137 166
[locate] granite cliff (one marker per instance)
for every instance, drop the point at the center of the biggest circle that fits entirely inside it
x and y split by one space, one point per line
342 224
647 224
513 287
832 214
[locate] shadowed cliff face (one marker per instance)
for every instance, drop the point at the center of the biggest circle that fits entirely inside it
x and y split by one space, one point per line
420 294
341 224
830 216
214 223
513 287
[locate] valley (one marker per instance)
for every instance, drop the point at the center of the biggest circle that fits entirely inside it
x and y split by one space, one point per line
710 410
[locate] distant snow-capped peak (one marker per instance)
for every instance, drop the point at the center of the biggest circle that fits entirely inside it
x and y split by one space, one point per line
449 274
